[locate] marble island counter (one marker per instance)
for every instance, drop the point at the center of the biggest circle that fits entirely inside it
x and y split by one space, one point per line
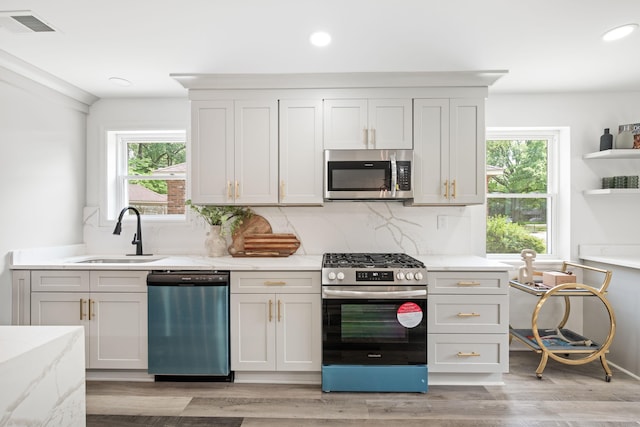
73 258
43 375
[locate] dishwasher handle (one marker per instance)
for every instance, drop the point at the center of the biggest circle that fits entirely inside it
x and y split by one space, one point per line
188 278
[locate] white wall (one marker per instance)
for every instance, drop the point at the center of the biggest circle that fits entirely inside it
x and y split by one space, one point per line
593 220
42 175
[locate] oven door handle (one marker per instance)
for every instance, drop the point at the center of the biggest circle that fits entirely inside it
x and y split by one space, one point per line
335 294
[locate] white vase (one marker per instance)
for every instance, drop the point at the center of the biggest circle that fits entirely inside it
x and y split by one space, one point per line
216 244
624 140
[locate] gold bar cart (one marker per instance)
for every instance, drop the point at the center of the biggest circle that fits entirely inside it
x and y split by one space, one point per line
575 343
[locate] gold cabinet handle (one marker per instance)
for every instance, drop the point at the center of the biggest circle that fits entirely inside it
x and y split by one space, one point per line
275 283
453 192
468 283
82 313
468 314
365 137
472 354
282 190
228 190
373 138
446 189
237 190
92 309
279 309
270 310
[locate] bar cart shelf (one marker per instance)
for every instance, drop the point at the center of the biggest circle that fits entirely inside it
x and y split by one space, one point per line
561 344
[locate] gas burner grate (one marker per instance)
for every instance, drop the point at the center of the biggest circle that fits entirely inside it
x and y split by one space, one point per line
370 260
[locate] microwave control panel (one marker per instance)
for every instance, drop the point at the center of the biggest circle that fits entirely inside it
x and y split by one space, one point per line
404 176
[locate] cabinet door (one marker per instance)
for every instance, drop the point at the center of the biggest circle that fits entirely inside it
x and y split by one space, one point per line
118 331
298 332
256 152
61 309
431 150
467 151
253 332
300 152
345 124
212 152
390 124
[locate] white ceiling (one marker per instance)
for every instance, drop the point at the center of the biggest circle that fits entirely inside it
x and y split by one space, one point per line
546 45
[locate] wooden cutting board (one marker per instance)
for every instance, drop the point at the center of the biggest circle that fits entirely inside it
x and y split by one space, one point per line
255 225
280 244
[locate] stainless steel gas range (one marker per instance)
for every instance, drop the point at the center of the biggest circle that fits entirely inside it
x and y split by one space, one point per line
374 335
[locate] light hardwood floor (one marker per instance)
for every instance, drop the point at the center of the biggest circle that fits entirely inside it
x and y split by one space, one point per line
565 396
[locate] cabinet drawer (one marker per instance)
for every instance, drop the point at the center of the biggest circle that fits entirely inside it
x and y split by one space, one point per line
275 282
464 314
59 281
119 281
468 353
469 282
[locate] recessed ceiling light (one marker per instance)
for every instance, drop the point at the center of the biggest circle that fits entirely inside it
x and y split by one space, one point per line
120 81
320 38
619 32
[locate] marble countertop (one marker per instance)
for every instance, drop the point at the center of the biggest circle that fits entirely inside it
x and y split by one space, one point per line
620 255
72 258
17 340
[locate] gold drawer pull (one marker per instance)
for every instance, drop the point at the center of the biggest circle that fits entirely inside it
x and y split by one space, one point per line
470 283
82 313
472 354
468 314
275 283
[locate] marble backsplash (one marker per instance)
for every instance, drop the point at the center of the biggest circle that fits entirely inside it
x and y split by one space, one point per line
334 227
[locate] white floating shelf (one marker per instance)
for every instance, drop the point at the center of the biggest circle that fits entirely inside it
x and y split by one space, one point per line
630 153
612 191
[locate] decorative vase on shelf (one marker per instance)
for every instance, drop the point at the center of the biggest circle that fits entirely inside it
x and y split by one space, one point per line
624 140
606 140
216 244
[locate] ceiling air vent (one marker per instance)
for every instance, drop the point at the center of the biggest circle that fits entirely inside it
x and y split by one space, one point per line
23 21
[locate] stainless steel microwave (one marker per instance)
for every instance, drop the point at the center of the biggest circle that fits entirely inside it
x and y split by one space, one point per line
368 174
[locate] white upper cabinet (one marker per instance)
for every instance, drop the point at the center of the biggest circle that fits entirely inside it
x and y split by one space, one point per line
367 124
449 157
234 152
300 152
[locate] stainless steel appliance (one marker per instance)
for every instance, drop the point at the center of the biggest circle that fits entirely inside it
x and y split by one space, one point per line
374 335
189 324
368 174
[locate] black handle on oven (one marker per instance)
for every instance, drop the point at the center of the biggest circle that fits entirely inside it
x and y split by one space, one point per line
343 293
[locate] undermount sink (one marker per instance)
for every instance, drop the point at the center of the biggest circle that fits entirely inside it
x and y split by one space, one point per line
128 260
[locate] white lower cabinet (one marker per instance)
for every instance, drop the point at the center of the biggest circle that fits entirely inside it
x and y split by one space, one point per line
275 321
115 320
468 322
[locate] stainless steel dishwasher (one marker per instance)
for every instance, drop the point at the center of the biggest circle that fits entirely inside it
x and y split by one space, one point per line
189 324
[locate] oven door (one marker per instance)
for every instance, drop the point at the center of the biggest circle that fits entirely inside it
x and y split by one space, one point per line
371 326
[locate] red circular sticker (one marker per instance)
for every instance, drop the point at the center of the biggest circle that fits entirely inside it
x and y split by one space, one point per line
409 314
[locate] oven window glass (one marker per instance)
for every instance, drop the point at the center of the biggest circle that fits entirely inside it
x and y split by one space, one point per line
371 323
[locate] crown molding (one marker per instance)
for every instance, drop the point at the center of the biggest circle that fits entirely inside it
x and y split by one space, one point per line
340 80
19 73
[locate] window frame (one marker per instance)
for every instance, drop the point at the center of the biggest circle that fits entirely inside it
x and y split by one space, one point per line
117 176
557 217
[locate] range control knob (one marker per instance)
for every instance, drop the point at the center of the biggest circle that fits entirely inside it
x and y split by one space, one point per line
341 276
400 275
419 276
409 276
332 275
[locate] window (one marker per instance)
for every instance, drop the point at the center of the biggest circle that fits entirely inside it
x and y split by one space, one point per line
147 170
522 191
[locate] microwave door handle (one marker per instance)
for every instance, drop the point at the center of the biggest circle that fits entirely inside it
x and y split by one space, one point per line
394 174
331 293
